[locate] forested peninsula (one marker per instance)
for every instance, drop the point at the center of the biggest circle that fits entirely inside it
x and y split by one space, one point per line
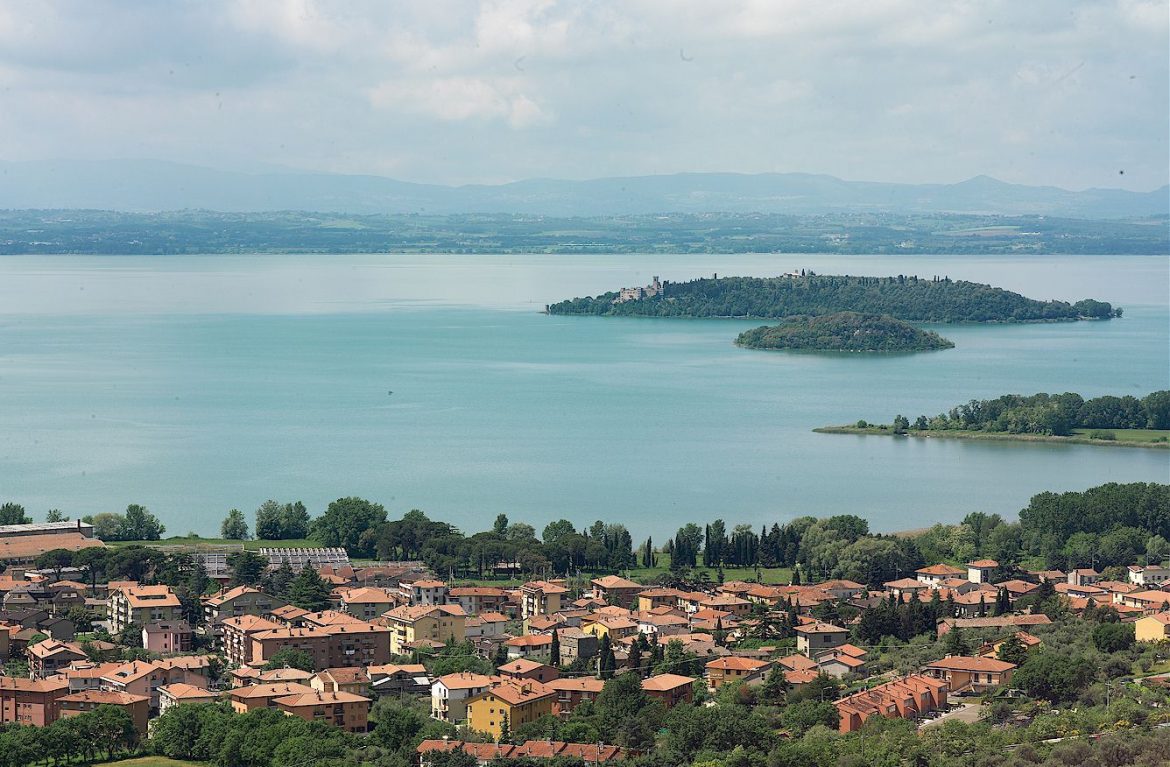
1126 421
909 298
845 332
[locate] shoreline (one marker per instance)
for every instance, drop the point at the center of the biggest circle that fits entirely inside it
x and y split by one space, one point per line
992 436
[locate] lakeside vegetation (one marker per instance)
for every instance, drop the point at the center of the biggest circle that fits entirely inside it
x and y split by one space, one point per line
1122 522
905 297
843 331
1070 418
1141 438
201 231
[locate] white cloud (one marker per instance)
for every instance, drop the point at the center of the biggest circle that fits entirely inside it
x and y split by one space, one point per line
460 98
1050 91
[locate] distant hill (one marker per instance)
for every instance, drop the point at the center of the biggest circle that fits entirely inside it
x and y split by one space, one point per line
149 185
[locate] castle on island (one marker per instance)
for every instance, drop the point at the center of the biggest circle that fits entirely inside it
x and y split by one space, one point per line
655 288
658 287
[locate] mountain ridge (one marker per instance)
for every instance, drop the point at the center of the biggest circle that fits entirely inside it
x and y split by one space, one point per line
156 185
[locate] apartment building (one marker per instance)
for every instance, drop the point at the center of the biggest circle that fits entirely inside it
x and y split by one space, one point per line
572 692
540 598
353 644
141 605
449 694
366 603
167 637
509 704
615 590
343 710
236 636
478 599
241 600
137 706
50 656
425 591
256 696
145 678
416 623
170 695
33 702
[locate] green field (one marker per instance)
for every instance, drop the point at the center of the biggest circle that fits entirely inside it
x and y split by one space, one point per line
1131 435
150 761
773 575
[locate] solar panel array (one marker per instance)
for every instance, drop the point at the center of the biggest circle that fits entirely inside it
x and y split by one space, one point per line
299 557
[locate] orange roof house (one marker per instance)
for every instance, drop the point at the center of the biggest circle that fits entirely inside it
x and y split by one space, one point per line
968 674
907 698
723 671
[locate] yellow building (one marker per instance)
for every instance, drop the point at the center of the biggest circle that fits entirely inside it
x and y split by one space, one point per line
416 623
615 627
1152 628
516 702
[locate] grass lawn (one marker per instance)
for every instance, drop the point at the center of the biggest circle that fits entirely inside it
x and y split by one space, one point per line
151 761
1131 435
197 541
774 575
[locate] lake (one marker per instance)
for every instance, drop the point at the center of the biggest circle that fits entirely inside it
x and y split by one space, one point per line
196 384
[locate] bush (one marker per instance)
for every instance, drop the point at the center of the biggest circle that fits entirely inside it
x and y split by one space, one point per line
1102 434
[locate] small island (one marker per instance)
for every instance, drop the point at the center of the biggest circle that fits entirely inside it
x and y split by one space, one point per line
843 332
1066 418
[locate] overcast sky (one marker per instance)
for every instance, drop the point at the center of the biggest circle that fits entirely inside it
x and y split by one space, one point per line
1073 94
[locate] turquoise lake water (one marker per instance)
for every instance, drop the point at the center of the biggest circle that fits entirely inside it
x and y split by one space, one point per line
197 384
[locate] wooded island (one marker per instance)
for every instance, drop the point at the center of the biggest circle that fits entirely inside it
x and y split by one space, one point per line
843 331
909 298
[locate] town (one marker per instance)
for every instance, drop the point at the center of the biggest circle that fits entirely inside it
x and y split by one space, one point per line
125 640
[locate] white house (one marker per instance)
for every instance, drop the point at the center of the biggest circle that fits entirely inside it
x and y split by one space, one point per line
1150 575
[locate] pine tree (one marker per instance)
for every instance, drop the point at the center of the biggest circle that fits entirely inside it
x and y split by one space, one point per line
1003 602
606 662
636 658
955 643
309 591
1012 650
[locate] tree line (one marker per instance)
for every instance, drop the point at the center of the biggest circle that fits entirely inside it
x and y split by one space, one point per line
1052 414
